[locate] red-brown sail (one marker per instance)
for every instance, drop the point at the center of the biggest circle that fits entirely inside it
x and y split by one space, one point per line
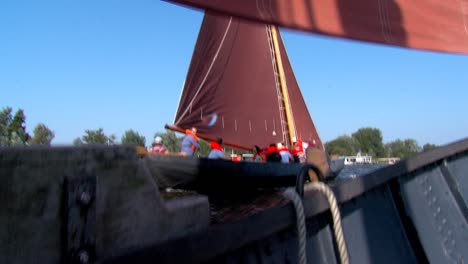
419 24
232 89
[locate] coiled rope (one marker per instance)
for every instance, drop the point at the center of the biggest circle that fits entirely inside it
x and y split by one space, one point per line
291 194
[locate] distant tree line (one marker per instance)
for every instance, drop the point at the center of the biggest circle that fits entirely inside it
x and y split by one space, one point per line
365 140
13 130
171 141
369 141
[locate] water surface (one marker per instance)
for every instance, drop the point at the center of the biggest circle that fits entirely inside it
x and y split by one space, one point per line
359 170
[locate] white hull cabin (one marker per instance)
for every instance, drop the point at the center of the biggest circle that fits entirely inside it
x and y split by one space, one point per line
358 159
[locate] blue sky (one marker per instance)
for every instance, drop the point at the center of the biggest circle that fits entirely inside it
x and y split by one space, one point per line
81 64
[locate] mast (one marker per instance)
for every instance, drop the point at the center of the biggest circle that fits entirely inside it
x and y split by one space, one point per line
284 88
208 138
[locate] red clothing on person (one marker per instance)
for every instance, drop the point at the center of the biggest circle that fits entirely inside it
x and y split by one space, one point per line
271 149
299 148
215 145
283 149
190 133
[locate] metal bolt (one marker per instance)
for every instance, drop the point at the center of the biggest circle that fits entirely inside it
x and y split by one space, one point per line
83 256
84 198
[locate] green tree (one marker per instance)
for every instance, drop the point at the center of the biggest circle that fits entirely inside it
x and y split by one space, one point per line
412 147
78 142
5 120
343 146
42 135
13 129
133 138
97 137
402 148
370 141
17 129
428 147
204 148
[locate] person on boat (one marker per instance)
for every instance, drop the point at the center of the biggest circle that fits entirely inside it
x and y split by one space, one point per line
312 144
190 142
286 156
295 156
216 151
272 154
258 154
298 152
236 158
157 146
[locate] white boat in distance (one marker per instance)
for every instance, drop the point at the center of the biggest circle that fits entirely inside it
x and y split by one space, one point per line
358 159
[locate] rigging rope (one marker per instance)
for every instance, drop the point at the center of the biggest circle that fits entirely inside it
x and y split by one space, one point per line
215 57
291 194
279 95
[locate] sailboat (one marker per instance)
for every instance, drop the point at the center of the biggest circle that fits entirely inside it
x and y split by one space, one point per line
105 203
241 87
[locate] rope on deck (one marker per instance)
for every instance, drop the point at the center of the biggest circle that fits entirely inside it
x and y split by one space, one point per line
291 194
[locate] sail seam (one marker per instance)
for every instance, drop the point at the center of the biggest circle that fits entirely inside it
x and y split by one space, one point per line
209 70
270 10
389 21
260 11
382 27
384 23
464 7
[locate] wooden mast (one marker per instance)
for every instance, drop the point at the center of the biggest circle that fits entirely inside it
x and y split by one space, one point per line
284 88
208 138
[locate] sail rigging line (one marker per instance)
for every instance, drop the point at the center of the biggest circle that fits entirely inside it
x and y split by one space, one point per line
284 88
277 84
208 72
180 97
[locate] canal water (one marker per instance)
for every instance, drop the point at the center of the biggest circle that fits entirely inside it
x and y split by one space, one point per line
358 170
